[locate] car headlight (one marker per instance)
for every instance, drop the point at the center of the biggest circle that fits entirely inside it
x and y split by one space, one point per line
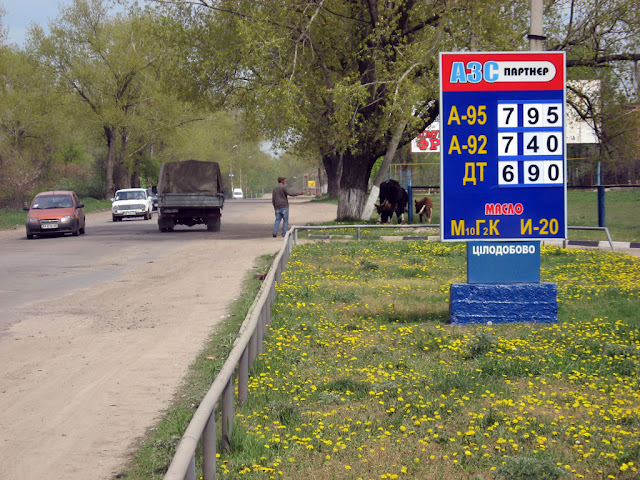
66 219
32 220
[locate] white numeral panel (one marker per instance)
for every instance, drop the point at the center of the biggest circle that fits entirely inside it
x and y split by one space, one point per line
542 115
553 171
507 144
543 172
533 172
542 143
507 173
507 115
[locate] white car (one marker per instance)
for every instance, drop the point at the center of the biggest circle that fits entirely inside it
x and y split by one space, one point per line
237 193
131 202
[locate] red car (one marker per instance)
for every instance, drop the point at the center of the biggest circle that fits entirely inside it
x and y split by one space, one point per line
54 212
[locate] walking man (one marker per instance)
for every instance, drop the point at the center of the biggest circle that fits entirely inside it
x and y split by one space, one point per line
281 205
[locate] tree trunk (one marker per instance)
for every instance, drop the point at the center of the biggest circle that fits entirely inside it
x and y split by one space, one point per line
353 185
367 211
111 160
135 180
333 166
122 177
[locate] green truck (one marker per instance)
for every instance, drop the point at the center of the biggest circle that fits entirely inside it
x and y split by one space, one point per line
190 193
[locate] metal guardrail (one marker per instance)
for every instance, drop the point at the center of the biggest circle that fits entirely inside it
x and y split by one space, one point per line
359 228
606 230
431 225
247 347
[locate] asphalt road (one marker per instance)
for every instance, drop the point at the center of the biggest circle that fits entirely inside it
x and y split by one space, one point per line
46 268
98 330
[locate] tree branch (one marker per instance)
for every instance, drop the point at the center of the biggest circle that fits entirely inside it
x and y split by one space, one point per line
604 60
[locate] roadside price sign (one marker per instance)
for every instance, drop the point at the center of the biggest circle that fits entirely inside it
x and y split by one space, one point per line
502 124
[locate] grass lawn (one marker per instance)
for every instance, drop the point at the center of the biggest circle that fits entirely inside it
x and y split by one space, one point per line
362 377
622 214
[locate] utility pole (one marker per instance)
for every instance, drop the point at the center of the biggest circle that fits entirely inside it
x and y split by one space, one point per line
231 166
536 33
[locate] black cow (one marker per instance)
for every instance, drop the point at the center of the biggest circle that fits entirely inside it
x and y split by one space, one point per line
393 198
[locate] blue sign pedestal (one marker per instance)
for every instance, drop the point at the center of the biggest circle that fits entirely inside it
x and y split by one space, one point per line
493 303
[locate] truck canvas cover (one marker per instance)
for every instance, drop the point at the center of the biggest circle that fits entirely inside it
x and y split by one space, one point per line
190 176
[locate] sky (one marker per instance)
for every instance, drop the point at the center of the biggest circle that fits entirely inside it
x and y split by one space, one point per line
21 13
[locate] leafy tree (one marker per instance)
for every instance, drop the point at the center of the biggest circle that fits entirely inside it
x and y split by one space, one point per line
601 40
345 79
34 126
341 79
110 62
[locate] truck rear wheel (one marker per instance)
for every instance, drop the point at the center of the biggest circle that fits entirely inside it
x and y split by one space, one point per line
164 225
213 224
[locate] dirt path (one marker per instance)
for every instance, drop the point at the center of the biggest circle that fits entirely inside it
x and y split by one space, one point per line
78 385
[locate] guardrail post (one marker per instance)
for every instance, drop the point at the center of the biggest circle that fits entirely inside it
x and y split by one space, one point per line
278 272
243 377
191 471
227 416
264 322
260 332
609 237
253 349
601 220
267 312
267 320
410 203
209 441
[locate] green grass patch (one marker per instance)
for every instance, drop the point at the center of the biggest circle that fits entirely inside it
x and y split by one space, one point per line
324 198
622 214
362 378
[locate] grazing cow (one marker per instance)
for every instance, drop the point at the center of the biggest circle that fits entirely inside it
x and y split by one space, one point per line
424 208
393 198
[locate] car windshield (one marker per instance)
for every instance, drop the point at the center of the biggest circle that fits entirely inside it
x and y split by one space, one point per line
52 201
130 196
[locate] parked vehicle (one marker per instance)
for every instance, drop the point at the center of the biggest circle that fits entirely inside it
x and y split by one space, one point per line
55 212
153 193
131 202
237 193
190 193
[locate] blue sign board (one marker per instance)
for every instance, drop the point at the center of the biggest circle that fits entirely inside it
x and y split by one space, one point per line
503 168
503 262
